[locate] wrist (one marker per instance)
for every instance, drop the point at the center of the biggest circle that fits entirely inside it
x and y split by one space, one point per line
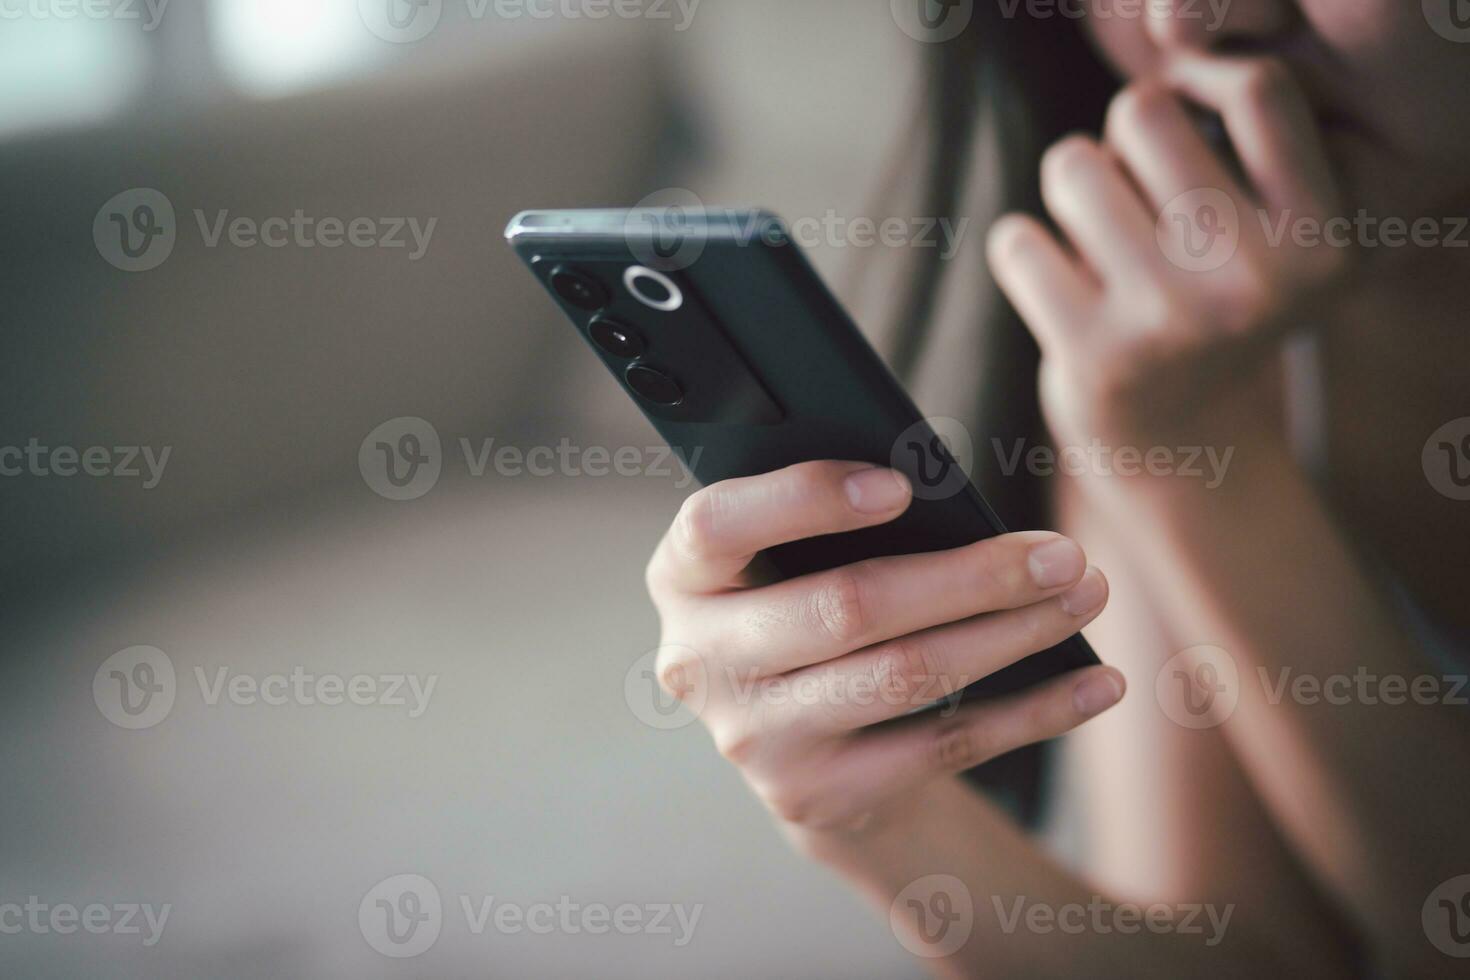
1148 460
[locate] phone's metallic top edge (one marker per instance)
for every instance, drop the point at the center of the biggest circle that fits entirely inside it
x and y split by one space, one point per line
622 223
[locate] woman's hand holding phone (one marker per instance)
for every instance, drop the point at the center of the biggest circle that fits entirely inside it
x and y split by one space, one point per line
810 685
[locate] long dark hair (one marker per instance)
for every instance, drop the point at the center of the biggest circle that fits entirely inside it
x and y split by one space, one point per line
1027 81
1022 82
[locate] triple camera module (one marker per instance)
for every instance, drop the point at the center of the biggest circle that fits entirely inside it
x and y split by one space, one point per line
620 340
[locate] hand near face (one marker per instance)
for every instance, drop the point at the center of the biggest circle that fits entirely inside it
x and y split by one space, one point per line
1168 277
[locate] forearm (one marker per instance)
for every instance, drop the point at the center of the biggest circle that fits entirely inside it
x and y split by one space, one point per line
1179 819
1258 567
1029 917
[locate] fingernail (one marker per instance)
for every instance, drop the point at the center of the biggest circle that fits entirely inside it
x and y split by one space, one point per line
1056 563
1097 693
1087 595
877 491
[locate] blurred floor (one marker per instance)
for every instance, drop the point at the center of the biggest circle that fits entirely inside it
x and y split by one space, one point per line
527 778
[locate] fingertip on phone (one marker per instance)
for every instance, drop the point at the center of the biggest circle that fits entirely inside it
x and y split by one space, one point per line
1087 596
877 491
1098 691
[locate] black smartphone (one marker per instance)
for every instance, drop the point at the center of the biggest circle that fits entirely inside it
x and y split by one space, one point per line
720 330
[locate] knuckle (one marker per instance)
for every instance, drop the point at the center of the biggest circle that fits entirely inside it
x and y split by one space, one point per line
808 478
903 670
1152 310
1034 629
655 579
736 745
999 571
957 746
1255 297
677 671
789 806
1037 721
835 608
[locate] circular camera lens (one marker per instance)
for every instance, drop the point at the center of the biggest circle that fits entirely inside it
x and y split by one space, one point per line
578 288
654 385
617 339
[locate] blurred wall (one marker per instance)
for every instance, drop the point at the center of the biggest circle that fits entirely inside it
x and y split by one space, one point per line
263 368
